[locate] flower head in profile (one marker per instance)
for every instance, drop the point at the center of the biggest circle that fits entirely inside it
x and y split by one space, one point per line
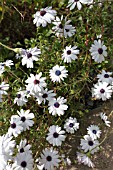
105 119
83 158
105 77
73 3
102 90
50 159
58 73
70 53
35 83
57 106
29 56
23 161
94 131
98 51
26 119
71 125
56 136
44 16
89 144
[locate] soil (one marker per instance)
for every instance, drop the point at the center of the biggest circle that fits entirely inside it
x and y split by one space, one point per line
103 160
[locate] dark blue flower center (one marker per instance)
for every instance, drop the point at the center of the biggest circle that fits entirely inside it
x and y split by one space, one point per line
71 125
90 143
45 95
60 26
36 81
21 150
55 135
13 125
29 55
56 104
18 96
42 13
100 50
49 158
102 90
94 131
23 119
106 75
57 72
23 164
69 52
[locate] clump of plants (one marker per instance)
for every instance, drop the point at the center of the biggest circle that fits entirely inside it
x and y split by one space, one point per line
51 82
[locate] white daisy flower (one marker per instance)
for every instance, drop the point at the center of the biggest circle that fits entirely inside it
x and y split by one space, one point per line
88 2
35 83
94 131
71 125
6 147
45 95
70 53
44 16
8 167
104 118
73 3
56 136
63 27
20 99
26 119
50 159
15 126
88 144
57 106
2 69
105 77
24 147
23 161
58 73
3 88
98 51
102 90
82 158
29 56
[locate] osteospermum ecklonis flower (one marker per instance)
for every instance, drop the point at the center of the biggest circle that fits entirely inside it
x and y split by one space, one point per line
102 90
73 3
105 77
50 159
44 95
89 144
15 126
20 98
23 161
105 119
63 28
35 83
3 88
57 106
70 53
71 125
23 146
58 73
26 119
84 159
56 136
98 51
94 131
44 16
29 56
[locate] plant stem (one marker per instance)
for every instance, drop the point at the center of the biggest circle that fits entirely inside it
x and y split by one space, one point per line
5 46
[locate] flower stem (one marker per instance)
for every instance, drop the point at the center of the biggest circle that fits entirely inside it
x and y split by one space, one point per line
5 46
